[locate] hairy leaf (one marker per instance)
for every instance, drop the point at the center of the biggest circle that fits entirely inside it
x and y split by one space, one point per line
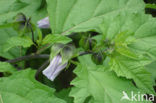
67 16
133 34
23 87
100 86
18 41
133 69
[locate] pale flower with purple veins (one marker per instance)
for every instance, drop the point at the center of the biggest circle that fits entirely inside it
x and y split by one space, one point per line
54 68
44 23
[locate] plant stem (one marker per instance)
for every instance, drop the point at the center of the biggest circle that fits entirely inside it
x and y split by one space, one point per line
43 66
84 53
32 32
27 57
42 49
35 56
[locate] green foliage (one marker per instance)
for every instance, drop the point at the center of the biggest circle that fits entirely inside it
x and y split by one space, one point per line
7 33
55 38
67 16
18 41
152 6
10 8
133 69
6 67
99 85
119 49
87 43
63 94
127 61
151 68
22 87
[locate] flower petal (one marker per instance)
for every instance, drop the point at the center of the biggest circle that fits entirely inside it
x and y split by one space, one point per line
44 23
58 71
54 68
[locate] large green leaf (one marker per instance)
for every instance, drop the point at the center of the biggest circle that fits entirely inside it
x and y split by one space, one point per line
138 29
95 85
67 16
133 69
133 34
23 88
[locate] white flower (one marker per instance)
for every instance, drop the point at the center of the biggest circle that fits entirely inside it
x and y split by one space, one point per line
44 23
54 68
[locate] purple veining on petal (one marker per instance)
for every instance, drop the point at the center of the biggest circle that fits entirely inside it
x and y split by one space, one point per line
44 23
56 61
54 68
51 68
58 70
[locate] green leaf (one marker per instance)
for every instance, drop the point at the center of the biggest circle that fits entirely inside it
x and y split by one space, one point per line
18 41
152 6
5 34
133 69
131 47
127 24
140 35
6 67
39 41
126 52
36 9
151 68
64 94
97 85
55 38
145 42
10 8
23 86
67 16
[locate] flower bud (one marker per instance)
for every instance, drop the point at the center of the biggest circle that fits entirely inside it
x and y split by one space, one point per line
87 43
22 24
98 58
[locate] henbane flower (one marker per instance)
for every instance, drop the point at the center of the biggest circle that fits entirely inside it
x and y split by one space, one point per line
44 23
54 68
